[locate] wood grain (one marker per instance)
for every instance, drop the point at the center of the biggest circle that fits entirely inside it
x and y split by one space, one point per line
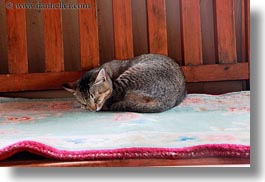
105 31
123 36
35 39
247 28
42 81
128 162
174 30
215 87
160 28
88 26
225 27
247 24
17 39
3 40
191 32
239 14
71 38
209 54
53 39
36 81
157 28
216 72
139 23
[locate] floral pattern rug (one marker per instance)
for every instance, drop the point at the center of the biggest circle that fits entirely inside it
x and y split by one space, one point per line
202 126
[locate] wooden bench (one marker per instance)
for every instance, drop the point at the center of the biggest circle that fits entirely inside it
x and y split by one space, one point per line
209 39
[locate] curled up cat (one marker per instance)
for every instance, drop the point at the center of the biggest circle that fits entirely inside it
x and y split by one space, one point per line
148 83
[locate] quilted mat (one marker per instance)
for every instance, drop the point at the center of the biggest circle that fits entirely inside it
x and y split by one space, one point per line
202 126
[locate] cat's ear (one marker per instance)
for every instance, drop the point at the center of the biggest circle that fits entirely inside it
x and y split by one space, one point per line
101 76
70 87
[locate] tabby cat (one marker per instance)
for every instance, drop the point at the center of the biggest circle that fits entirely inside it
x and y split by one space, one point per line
147 83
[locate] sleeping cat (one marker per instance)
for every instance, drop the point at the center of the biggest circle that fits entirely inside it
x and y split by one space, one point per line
147 83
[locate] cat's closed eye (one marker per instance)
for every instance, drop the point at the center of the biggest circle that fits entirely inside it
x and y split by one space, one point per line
103 91
92 96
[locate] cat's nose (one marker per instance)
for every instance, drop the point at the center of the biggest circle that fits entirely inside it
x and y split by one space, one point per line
90 108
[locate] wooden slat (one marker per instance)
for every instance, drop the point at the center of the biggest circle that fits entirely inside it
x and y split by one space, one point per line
216 72
225 27
240 31
36 81
53 38
156 15
191 32
127 162
3 40
174 30
209 54
247 28
17 39
89 46
71 38
35 39
247 24
42 81
123 36
105 30
139 22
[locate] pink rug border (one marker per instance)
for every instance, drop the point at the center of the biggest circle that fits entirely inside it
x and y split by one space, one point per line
199 151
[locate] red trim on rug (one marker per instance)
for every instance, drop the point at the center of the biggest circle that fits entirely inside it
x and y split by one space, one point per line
199 151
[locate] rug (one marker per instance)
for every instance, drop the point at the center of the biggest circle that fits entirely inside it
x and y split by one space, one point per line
201 126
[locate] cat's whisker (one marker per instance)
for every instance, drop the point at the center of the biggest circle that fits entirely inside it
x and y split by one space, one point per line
81 100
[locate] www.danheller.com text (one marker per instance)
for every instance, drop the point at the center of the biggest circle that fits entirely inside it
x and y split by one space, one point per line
50 5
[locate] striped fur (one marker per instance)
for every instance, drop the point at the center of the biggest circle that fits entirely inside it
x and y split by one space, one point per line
147 83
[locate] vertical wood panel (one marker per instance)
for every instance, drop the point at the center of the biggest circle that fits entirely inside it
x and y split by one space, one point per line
17 39
239 9
3 39
247 28
174 30
35 39
71 41
207 28
156 13
105 32
139 22
88 35
191 32
53 38
247 24
123 37
225 26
